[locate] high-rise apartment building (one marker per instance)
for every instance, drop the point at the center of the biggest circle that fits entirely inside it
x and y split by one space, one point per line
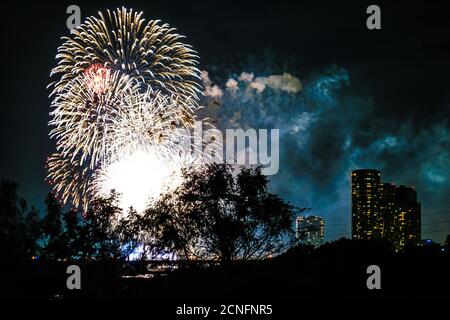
383 210
310 230
367 220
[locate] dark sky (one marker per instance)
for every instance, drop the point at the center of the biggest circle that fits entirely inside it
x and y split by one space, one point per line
403 70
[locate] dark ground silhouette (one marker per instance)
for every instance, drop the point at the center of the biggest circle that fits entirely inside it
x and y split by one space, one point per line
335 271
35 252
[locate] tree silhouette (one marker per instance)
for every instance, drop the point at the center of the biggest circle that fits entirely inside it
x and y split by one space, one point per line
100 233
447 242
106 232
19 228
221 214
55 246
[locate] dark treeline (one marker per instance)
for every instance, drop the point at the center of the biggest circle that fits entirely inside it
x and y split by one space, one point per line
218 216
58 234
215 214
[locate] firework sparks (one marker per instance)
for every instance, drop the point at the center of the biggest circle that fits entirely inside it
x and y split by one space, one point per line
124 101
121 41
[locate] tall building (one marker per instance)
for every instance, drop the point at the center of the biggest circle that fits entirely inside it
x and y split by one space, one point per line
383 210
388 208
367 220
310 230
408 218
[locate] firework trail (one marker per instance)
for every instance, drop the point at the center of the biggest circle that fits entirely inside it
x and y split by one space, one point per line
124 98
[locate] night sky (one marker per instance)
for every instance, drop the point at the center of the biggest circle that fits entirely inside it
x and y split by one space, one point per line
375 99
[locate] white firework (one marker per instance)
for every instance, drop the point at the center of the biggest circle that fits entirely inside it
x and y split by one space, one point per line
124 100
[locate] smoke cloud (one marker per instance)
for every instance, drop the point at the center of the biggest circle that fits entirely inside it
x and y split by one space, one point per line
327 128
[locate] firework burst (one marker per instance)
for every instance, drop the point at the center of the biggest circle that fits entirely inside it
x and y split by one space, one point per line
122 41
125 98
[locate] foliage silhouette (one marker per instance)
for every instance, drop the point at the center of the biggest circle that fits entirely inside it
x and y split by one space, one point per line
100 233
221 214
19 227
